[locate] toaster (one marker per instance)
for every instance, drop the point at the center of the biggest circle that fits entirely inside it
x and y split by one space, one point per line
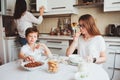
111 30
118 30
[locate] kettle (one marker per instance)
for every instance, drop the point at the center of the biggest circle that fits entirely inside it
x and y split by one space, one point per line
111 30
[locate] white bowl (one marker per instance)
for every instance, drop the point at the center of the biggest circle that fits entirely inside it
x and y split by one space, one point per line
75 59
30 68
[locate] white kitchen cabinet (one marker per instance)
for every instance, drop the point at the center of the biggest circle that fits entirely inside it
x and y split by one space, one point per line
111 5
112 65
54 7
10 4
12 50
56 46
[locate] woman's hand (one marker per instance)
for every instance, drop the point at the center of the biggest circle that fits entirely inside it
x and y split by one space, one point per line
76 36
41 10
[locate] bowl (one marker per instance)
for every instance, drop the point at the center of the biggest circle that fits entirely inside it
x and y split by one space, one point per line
23 64
75 59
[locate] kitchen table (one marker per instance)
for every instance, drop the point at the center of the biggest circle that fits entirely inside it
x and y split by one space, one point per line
13 71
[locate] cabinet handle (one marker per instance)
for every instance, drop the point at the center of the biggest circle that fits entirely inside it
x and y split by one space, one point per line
55 48
54 41
58 7
113 68
114 53
115 45
116 3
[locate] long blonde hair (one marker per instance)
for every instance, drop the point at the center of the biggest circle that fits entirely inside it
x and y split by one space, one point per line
89 24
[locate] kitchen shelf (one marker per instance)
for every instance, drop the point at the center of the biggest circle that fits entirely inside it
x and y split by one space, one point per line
88 5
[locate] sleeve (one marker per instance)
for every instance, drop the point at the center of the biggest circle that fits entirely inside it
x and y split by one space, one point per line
22 49
35 20
102 45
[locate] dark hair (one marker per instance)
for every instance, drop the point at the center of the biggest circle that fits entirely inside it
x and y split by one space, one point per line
31 30
20 8
89 24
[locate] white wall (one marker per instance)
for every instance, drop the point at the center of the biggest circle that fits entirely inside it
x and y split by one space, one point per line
102 19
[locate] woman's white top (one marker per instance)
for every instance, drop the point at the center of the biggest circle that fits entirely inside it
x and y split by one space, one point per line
26 21
91 47
36 54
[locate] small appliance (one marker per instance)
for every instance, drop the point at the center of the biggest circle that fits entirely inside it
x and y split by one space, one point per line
111 30
118 30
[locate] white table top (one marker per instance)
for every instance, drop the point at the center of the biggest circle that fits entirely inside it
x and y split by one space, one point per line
13 71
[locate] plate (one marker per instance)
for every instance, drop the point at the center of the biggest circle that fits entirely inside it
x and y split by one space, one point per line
75 59
31 68
81 76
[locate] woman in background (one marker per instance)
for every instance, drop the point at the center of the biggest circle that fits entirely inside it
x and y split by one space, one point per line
32 51
25 19
89 42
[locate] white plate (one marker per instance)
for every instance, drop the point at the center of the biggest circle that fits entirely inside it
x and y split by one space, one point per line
75 59
30 68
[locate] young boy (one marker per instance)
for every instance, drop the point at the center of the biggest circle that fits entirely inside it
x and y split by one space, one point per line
32 51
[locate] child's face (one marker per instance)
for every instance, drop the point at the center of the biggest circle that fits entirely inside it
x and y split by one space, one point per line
32 37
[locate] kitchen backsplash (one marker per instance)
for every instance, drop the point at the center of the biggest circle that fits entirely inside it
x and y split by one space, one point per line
102 19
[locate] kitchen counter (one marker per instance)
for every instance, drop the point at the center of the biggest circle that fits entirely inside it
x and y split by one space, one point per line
61 37
9 38
110 39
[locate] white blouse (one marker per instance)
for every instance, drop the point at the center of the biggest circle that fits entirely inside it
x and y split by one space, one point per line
26 21
92 47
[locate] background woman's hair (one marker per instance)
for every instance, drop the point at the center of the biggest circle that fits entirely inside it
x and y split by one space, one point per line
89 24
20 8
31 30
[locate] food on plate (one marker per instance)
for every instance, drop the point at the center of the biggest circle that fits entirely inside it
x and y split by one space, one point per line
52 66
33 64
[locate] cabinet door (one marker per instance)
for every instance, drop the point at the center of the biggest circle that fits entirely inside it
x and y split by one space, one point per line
116 75
12 50
57 5
111 5
10 4
56 46
108 65
40 3
112 65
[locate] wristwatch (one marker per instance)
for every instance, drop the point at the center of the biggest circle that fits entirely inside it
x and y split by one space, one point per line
94 60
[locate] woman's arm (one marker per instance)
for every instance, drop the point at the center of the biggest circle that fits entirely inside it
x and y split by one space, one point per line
102 58
73 45
71 48
34 19
38 20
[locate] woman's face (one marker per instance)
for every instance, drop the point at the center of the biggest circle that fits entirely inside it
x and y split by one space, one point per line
32 37
82 27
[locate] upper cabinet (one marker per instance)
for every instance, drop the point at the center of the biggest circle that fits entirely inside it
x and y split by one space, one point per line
10 4
89 3
54 7
111 5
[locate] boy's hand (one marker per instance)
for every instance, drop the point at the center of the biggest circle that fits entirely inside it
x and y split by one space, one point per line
29 58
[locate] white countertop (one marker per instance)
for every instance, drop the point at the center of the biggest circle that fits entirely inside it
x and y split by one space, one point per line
116 39
61 37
